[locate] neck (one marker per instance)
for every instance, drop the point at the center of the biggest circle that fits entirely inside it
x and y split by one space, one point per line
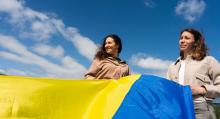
114 55
185 54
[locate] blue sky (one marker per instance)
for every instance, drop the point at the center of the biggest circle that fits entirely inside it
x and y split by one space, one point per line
53 38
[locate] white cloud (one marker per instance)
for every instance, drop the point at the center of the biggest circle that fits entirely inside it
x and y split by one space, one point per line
19 52
70 63
191 10
85 46
39 26
31 14
14 57
151 63
149 3
16 72
10 5
2 71
30 23
9 42
39 31
160 73
47 50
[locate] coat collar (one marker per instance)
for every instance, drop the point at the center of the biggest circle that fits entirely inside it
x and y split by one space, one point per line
188 58
115 60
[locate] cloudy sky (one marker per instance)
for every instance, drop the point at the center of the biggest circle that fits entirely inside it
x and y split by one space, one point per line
54 38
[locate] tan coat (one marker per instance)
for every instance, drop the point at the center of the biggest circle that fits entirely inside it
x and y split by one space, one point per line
108 68
199 73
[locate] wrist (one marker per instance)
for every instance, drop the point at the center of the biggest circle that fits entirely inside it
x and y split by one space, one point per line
203 90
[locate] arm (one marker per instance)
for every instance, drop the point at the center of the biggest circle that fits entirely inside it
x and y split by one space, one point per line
168 73
93 70
213 89
128 72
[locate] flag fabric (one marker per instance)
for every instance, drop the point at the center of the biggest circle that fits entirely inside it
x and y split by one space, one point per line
152 97
131 97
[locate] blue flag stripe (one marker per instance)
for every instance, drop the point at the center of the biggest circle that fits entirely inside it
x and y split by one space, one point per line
153 97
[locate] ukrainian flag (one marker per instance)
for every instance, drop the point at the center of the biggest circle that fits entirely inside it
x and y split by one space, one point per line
131 97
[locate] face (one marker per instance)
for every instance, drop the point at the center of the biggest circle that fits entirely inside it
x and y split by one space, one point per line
186 42
111 47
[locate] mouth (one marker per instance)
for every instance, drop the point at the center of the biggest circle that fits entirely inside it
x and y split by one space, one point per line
182 46
108 49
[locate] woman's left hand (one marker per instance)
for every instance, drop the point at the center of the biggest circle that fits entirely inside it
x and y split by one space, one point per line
198 90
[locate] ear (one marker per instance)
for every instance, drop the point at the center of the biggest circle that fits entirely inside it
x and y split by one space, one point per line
195 44
117 46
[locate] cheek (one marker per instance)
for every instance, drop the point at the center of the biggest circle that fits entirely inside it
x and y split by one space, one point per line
116 48
190 43
106 47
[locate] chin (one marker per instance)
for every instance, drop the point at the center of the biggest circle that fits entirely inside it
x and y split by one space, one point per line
181 49
109 53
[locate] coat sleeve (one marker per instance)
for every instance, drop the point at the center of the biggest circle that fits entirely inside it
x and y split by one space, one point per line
129 72
213 89
93 70
169 73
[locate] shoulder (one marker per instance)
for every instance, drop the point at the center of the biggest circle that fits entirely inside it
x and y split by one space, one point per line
174 64
96 62
177 61
121 61
210 59
211 62
118 62
115 60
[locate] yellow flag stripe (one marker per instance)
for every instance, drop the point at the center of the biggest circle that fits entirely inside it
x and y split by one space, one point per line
48 98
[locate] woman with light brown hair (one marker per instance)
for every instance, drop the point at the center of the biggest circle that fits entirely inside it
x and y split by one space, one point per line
107 64
198 70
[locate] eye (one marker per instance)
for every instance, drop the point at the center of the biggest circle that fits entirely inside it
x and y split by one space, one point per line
181 37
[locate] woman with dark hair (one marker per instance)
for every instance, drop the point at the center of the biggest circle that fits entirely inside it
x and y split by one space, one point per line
198 70
106 64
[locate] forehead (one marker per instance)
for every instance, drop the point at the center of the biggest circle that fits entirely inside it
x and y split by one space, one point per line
186 33
109 39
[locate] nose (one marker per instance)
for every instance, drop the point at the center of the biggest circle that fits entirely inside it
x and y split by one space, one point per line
106 45
182 40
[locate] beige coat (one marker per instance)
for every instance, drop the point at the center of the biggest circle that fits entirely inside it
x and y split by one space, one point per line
108 68
199 73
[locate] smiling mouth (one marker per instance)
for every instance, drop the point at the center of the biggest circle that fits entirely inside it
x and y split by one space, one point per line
108 49
182 46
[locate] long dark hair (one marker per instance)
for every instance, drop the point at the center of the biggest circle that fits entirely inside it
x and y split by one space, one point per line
101 53
199 49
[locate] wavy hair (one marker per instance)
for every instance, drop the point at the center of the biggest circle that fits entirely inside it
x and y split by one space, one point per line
101 53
